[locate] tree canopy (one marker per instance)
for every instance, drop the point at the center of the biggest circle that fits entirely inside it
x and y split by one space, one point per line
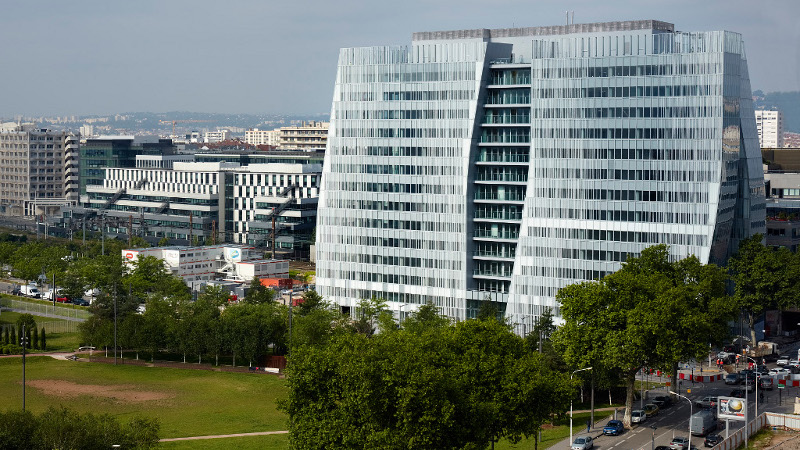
653 312
764 278
442 386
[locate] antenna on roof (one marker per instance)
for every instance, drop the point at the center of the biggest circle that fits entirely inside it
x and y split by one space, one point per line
573 17
567 13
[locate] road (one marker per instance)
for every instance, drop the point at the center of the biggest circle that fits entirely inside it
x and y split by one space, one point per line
674 420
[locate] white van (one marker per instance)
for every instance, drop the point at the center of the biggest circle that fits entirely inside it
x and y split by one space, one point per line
30 291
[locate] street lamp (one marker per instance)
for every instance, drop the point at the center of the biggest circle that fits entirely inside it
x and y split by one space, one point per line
747 407
690 417
570 403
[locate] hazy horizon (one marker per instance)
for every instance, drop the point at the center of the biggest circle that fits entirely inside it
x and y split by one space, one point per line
248 57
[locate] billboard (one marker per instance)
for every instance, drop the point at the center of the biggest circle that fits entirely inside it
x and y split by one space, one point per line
731 408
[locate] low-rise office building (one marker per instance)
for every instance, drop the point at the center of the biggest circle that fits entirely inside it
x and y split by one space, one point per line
216 262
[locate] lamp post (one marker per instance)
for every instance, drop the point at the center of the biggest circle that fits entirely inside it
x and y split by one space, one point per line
747 407
570 403
690 417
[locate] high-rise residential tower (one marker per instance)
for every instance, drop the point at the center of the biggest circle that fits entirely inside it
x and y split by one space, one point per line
505 164
769 124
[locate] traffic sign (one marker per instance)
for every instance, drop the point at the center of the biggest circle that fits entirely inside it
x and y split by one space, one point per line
781 386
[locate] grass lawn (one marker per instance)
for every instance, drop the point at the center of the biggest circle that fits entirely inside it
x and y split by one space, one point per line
187 402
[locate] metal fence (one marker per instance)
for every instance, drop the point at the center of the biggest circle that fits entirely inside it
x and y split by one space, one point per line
784 421
52 327
46 308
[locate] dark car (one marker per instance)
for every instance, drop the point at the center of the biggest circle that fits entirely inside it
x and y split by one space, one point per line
662 447
613 428
733 378
80 302
712 440
737 393
662 401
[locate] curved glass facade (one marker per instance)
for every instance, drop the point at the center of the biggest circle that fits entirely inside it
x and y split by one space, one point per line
506 164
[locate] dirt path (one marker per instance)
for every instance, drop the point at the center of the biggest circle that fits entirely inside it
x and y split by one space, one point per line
219 436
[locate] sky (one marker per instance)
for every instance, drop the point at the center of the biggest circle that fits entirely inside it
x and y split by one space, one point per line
279 57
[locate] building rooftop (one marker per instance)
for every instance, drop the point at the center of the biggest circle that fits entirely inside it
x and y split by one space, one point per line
596 27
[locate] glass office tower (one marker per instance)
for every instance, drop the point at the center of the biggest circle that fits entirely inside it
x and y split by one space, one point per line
505 164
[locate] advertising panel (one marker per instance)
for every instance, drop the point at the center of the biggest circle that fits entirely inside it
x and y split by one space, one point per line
731 408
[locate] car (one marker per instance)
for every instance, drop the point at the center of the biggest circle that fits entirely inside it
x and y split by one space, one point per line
638 416
707 403
650 410
679 442
712 440
783 360
733 378
613 428
662 447
662 401
582 443
737 393
85 348
80 302
750 386
780 372
794 362
766 383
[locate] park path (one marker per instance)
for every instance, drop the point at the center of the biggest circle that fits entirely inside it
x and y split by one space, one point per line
41 314
220 436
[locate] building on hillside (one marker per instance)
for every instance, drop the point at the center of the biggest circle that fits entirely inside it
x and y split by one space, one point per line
213 137
38 170
254 136
308 136
216 262
505 164
770 128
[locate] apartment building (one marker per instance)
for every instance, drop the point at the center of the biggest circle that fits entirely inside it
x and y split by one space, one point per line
308 136
254 136
770 128
504 164
38 169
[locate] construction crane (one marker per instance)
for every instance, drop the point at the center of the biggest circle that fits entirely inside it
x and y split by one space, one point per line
173 122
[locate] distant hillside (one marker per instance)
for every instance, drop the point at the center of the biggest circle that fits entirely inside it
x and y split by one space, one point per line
788 102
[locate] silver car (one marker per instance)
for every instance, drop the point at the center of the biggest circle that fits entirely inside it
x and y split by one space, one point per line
638 416
583 443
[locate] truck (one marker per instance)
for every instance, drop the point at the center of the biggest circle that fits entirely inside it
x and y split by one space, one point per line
703 422
29 291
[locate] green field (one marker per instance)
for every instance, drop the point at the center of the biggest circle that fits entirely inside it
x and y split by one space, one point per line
56 342
187 402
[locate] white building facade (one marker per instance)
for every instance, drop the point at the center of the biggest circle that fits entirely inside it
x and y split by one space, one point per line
206 263
254 136
505 164
770 128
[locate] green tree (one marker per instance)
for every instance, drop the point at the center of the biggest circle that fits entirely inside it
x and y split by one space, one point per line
311 301
764 278
426 317
35 338
14 336
368 314
258 293
44 339
6 338
163 242
650 313
450 387
97 332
